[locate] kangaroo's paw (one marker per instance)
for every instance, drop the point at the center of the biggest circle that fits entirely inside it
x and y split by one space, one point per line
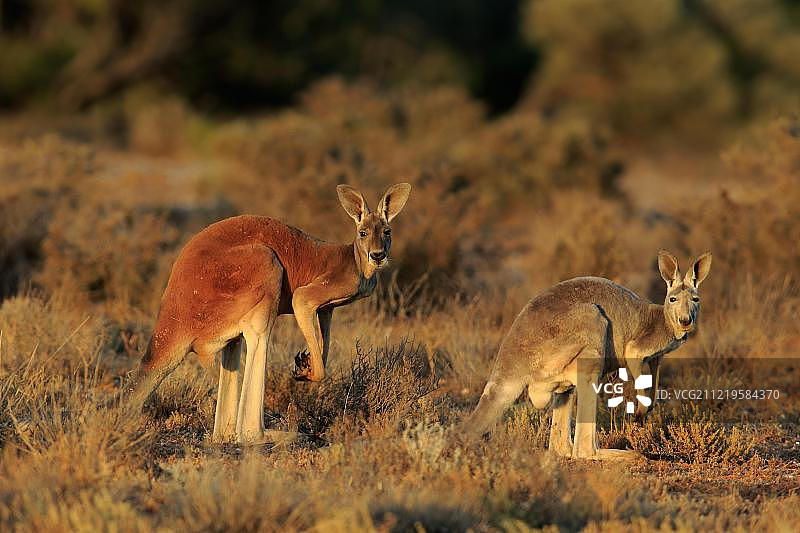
302 366
561 451
283 438
608 454
252 439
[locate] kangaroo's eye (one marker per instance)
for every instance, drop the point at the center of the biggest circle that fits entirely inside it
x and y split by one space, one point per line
695 299
362 234
673 299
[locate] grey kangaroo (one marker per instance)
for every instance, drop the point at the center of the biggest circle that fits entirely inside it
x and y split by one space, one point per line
600 324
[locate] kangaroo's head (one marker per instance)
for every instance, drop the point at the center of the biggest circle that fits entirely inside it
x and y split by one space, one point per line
682 302
373 233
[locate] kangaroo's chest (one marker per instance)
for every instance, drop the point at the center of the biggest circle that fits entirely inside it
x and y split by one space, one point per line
645 352
364 288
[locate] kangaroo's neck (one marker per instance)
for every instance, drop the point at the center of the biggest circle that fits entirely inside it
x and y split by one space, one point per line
344 272
364 267
654 336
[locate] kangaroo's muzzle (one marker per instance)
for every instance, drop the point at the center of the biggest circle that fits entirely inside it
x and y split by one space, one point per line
377 257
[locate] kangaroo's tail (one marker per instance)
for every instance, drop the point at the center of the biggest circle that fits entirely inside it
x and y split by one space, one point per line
160 358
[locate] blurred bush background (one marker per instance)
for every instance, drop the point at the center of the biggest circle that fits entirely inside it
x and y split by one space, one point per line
249 54
544 139
149 120
637 64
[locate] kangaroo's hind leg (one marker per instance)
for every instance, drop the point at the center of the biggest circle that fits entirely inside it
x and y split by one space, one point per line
585 374
585 445
228 392
250 416
257 327
561 427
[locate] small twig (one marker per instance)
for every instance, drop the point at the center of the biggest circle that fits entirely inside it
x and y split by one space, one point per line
85 320
129 343
53 355
19 431
347 397
30 361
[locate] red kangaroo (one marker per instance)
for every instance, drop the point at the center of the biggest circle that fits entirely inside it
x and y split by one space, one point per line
233 279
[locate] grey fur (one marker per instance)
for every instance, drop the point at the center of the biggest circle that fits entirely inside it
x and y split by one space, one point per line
600 323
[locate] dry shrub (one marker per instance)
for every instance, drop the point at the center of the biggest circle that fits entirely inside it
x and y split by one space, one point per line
540 492
63 451
526 426
586 241
462 339
728 325
189 391
93 231
468 175
580 233
426 438
524 156
117 243
477 489
769 152
421 514
35 329
691 435
383 383
181 410
618 61
52 380
82 261
49 493
65 416
752 232
62 467
158 127
261 502
780 514
35 177
42 344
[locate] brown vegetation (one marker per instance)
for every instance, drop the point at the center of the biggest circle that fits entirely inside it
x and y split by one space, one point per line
500 210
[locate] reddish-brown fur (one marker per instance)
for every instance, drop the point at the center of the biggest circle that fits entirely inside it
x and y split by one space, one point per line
236 276
222 272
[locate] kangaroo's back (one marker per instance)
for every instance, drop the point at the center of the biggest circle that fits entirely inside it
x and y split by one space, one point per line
618 304
295 249
594 290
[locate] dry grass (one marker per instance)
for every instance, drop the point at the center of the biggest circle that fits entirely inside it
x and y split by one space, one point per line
693 436
499 211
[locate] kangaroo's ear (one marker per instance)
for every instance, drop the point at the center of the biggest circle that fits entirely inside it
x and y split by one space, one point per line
699 270
353 202
393 201
668 266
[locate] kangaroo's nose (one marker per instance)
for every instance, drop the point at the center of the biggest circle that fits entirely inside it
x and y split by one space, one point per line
685 321
378 256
